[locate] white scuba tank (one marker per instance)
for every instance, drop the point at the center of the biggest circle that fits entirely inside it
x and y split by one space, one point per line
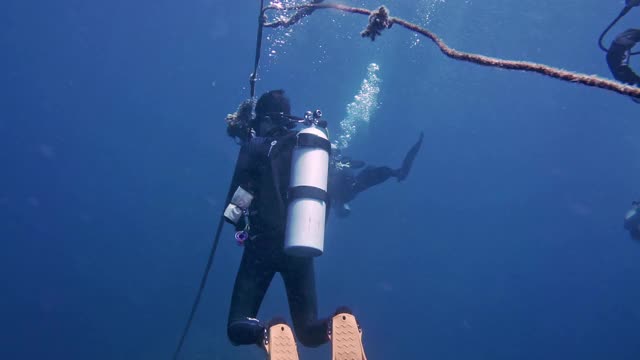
307 195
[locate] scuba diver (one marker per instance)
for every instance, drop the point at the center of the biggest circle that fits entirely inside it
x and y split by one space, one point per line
619 53
632 221
258 200
345 184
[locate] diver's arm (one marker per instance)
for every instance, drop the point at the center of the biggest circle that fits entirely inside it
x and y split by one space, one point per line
374 175
241 173
241 179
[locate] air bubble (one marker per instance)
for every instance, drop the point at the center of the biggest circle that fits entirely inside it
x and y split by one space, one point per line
359 111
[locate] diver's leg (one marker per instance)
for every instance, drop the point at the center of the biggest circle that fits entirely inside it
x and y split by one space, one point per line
371 176
374 175
299 280
252 281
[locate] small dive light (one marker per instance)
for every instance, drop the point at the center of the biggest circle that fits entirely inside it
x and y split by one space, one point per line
241 236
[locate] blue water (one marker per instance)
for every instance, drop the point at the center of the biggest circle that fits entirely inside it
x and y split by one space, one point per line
505 242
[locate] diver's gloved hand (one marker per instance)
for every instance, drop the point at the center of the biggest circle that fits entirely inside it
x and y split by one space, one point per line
632 3
629 4
619 54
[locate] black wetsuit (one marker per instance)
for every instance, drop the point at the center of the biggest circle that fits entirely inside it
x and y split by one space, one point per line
619 54
263 168
344 184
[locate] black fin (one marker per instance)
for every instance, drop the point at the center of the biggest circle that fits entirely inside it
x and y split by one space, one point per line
403 172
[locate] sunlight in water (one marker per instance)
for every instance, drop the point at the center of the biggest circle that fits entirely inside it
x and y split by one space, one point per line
277 38
426 10
360 110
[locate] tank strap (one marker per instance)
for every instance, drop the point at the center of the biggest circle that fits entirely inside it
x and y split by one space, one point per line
310 140
258 146
257 140
308 192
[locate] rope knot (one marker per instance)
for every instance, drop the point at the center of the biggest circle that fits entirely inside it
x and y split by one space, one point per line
378 21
